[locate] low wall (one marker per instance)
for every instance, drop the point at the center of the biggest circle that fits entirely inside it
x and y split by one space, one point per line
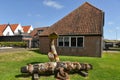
10 38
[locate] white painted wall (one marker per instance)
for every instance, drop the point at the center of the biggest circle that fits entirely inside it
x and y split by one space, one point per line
19 27
30 29
8 31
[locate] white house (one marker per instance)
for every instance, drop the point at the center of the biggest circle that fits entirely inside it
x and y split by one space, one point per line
17 29
14 29
5 30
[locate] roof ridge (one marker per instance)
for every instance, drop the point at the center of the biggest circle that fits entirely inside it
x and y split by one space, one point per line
90 5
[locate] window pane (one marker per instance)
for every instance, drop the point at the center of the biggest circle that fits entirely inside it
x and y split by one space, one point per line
80 41
73 41
66 41
60 41
40 31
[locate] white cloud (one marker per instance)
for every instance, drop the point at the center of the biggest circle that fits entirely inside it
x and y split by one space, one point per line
118 39
117 28
53 4
110 23
110 31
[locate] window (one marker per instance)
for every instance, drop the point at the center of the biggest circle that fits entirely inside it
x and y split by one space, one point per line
66 41
80 41
60 41
73 41
40 31
8 33
70 41
19 32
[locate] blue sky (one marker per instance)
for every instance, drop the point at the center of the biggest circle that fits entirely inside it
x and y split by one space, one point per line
40 13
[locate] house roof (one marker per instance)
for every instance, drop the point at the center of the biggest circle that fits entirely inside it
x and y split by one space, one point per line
2 28
85 20
26 28
35 31
13 26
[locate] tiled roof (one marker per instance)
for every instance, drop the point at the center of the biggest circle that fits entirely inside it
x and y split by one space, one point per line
2 28
13 26
26 28
35 31
85 20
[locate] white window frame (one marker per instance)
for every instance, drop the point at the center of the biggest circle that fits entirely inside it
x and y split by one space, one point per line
64 41
70 41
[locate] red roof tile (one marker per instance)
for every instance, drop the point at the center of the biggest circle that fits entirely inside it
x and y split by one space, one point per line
26 28
13 26
85 20
2 28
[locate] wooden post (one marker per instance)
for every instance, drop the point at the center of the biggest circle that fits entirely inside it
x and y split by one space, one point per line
29 43
53 56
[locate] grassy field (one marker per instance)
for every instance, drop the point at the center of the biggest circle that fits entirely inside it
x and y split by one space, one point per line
105 68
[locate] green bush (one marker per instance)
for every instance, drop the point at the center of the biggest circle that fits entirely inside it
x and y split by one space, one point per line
13 44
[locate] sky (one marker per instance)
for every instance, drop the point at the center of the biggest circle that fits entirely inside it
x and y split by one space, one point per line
41 13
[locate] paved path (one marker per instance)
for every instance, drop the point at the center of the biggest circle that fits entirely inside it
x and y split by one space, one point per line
109 51
8 49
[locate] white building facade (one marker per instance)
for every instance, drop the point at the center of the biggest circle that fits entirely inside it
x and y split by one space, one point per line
8 31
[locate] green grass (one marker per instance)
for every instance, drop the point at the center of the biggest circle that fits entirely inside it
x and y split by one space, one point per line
105 68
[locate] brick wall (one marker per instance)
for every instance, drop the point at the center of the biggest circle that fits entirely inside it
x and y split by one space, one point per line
92 47
44 44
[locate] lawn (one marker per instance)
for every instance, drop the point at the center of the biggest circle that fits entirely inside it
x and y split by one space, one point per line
105 68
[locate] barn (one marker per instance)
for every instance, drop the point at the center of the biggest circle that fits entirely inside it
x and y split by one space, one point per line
80 33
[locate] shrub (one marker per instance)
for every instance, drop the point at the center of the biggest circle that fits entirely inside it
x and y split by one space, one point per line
13 44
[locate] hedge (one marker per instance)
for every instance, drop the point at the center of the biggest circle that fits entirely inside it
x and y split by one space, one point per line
13 44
